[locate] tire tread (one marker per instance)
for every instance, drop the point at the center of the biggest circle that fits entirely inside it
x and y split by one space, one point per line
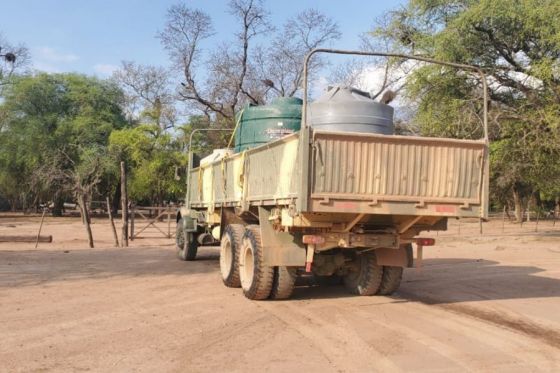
189 250
236 231
283 283
368 282
263 276
391 280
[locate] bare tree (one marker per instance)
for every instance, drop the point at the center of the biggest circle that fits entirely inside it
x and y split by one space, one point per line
185 29
8 66
282 63
350 73
83 181
242 72
148 92
80 179
224 90
254 20
377 75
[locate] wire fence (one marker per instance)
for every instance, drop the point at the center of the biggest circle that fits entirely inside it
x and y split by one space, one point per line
498 224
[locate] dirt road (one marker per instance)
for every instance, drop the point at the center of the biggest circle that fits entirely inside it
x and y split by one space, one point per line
480 303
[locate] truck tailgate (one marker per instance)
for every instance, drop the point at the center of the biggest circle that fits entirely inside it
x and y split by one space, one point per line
369 173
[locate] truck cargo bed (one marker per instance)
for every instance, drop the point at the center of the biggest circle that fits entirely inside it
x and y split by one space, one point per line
405 175
350 172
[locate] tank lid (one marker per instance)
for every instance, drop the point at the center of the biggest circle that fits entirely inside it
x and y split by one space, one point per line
343 93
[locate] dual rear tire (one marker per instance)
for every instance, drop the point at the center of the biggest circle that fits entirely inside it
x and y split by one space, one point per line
230 248
242 265
366 277
391 280
256 278
283 282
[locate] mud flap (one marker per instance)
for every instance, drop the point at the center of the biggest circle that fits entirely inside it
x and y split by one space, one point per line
190 220
392 257
280 248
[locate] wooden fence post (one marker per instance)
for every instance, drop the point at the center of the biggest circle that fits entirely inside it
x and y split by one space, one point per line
132 216
115 235
538 218
86 218
124 204
168 221
40 227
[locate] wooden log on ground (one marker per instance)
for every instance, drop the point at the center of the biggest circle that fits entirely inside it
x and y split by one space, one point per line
25 238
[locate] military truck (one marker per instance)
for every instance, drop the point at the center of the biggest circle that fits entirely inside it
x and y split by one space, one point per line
326 188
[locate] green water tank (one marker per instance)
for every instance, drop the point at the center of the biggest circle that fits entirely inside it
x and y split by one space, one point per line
262 124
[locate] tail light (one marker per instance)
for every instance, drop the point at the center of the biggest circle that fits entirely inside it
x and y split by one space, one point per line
310 239
425 241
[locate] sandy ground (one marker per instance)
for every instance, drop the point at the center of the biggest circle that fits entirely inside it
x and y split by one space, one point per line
480 303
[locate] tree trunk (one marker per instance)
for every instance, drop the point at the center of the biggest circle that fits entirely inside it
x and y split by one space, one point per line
507 210
85 218
58 207
518 204
124 206
36 204
116 202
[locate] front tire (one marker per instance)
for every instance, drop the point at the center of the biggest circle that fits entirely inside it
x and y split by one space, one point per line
186 243
364 276
256 278
230 248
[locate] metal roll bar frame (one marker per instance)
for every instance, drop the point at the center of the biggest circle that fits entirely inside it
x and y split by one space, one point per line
394 55
304 133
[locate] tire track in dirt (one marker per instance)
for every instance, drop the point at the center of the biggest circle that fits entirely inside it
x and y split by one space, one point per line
549 336
490 344
520 346
453 354
337 341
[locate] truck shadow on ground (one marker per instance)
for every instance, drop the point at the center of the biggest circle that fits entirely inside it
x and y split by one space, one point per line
38 267
442 281
450 284
466 280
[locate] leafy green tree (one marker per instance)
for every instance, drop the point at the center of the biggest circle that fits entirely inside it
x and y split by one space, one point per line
50 123
152 156
517 44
